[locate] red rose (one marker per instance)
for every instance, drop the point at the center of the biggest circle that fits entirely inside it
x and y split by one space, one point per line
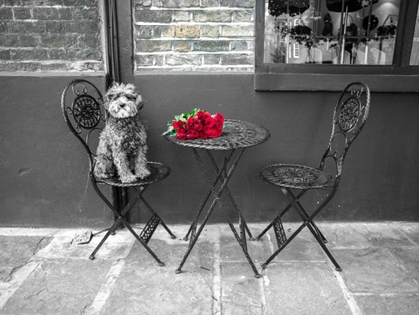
219 118
181 136
192 134
177 124
211 133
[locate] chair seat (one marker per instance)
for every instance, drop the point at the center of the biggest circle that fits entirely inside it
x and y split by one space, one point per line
296 176
158 171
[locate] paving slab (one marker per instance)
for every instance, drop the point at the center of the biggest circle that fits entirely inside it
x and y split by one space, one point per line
374 269
44 273
389 305
241 294
16 251
303 288
59 286
143 287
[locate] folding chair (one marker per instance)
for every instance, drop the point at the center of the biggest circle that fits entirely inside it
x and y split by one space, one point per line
83 111
350 115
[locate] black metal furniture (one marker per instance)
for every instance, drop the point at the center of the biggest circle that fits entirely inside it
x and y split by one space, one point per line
83 111
236 137
350 115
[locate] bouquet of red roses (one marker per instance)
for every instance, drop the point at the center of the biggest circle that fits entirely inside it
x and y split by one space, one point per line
197 124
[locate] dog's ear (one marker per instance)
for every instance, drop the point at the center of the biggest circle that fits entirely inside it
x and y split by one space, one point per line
139 102
108 95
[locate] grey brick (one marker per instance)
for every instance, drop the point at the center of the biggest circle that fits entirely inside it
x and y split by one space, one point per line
213 16
28 40
182 46
182 16
53 41
77 13
62 66
83 54
10 2
176 3
210 31
88 27
41 54
238 30
163 31
45 13
210 3
23 54
3 27
237 59
243 16
237 3
211 59
5 54
153 16
72 3
90 14
183 60
145 60
8 66
88 41
6 14
22 13
211 45
8 40
29 66
142 4
143 31
65 14
58 54
153 45
239 45
55 26
37 27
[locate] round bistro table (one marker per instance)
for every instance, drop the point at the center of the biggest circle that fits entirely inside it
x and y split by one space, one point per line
236 137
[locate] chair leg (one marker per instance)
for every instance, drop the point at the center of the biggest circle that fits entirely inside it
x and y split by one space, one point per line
279 216
156 215
308 221
120 219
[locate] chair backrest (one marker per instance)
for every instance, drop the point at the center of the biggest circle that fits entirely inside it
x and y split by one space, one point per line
84 113
350 115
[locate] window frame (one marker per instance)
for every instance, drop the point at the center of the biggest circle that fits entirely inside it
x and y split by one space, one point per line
398 77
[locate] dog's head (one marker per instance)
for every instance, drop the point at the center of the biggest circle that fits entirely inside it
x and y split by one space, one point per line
123 100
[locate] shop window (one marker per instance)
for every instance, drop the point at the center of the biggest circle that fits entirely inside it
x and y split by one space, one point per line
335 41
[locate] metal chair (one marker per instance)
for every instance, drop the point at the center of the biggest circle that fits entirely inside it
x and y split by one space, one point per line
83 111
350 115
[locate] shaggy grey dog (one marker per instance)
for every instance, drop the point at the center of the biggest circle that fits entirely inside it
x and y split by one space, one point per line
122 144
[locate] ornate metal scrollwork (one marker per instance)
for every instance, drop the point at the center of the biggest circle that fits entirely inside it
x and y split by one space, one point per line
349 114
86 111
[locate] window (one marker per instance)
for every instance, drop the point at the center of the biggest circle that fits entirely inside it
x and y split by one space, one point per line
324 44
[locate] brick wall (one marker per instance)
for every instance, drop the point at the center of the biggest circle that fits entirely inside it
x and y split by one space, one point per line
210 35
50 35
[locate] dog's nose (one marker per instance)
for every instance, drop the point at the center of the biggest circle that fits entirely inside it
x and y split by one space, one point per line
122 105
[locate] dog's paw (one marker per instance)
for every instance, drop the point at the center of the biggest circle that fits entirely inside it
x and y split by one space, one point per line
128 178
142 173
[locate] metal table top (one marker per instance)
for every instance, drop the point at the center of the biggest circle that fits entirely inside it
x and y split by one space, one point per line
235 134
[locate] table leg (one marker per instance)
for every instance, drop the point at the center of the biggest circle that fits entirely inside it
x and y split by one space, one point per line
232 200
241 240
193 226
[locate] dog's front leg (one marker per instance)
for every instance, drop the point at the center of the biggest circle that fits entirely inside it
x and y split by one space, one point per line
104 166
123 166
140 163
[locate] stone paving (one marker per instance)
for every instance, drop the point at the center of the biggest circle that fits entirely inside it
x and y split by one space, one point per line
42 272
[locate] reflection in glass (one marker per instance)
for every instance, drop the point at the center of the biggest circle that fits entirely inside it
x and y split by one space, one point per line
414 58
344 32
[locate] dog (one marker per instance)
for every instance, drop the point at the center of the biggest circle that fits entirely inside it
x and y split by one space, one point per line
122 144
